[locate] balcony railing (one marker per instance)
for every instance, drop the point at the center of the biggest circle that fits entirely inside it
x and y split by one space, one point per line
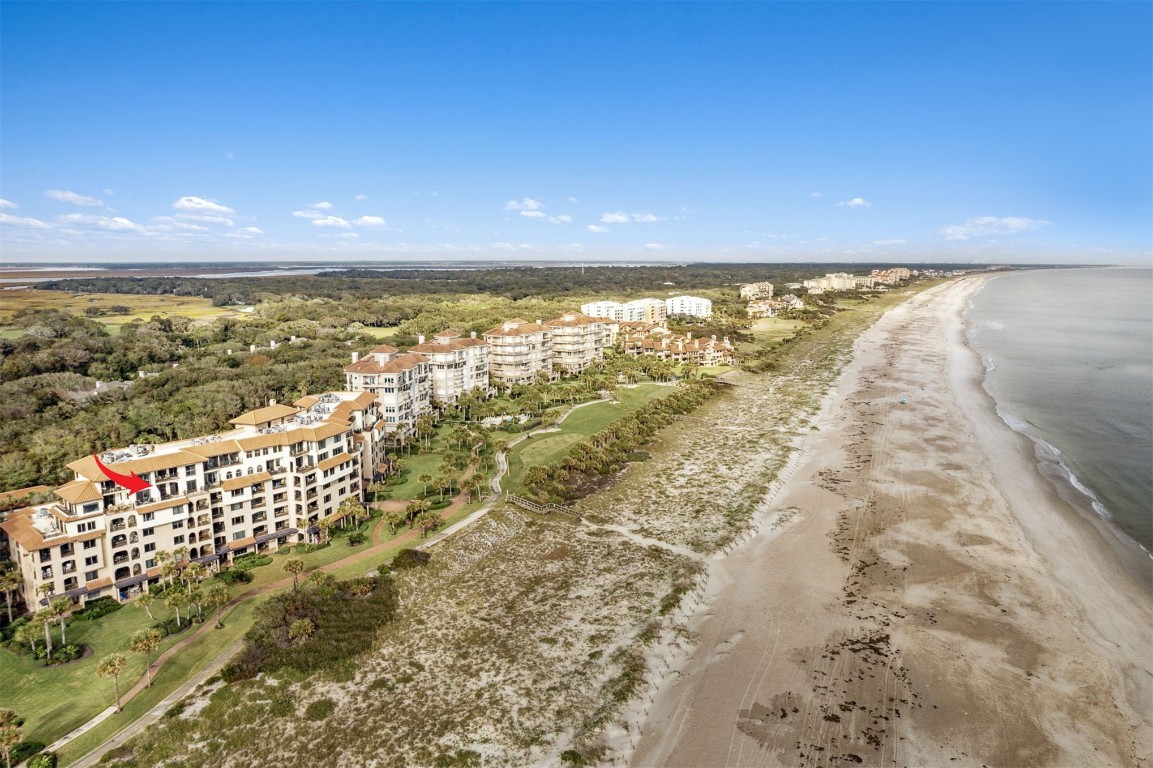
120 557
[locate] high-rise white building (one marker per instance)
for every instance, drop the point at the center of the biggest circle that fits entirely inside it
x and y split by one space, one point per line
577 341
518 351
401 382
457 364
637 311
693 306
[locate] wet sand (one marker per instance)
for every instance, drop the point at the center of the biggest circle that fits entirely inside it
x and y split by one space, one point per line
931 600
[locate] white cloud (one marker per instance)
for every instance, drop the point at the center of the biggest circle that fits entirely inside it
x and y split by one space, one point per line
22 221
619 217
646 218
597 230
360 197
322 206
7 203
527 204
888 242
115 224
119 224
573 200
856 202
331 221
206 218
814 194
254 230
307 214
370 221
191 203
108 191
348 236
66 196
564 218
533 214
991 225
654 247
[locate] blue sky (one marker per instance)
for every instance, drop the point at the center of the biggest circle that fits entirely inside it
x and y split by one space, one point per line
674 131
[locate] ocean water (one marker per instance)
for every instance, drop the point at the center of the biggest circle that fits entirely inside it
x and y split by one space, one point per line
1069 359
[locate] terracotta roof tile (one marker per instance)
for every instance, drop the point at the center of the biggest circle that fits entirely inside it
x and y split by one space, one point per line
265 415
245 480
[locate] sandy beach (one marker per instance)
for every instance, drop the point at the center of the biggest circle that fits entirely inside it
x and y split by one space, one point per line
917 593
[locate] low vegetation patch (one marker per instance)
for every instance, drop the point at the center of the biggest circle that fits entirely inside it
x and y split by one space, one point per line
317 626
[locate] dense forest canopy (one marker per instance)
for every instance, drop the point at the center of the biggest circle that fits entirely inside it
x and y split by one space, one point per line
509 282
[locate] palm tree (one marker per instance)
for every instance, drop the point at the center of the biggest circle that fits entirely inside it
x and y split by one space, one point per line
174 598
395 518
10 583
164 559
145 643
424 480
295 566
194 572
59 608
10 734
216 597
46 617
145 601
300 630
111 666
26 633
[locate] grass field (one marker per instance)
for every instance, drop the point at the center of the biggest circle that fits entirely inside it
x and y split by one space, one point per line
142 307
380 333
551 446
769 331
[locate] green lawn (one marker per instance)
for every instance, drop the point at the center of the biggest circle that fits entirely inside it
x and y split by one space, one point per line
380 333
55 700
550 447
769 331
194 657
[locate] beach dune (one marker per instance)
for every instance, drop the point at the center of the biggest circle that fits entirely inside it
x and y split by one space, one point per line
918 593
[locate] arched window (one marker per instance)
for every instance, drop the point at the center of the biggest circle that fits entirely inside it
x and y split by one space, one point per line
133 537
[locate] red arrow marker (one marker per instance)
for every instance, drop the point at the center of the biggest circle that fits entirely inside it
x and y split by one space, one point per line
131 481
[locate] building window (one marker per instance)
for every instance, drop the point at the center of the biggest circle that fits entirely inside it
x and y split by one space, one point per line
177 539
91 560
148 517
238 535
150 546
148 531
236 506
90 544
91 575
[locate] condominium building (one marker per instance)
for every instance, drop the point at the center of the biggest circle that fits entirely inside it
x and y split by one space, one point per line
838 281
665 345
754 291
891 276
638 311
457 364
362 411
693 306
577 341
401 382
518 352
265 483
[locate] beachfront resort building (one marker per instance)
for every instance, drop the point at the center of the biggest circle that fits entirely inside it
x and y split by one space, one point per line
399 380
890 276
754 291
640 340
266 483
693 306
578 341
638 311
519 351
838 281
457 364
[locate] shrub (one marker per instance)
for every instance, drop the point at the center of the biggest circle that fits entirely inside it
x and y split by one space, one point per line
572 757
235 576
440 504
101 606
246 562
25 750
8 632
43 760
410 558
320 709
355 538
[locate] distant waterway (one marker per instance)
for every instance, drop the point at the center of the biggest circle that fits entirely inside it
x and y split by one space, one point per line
1069 358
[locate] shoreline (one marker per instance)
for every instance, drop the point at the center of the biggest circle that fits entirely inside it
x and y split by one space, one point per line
933 598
